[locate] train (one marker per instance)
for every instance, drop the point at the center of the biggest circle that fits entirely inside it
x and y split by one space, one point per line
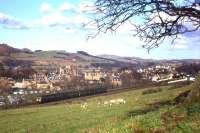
73 93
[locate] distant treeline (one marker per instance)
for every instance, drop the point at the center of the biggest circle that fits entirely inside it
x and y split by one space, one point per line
17 73
191 69
10 62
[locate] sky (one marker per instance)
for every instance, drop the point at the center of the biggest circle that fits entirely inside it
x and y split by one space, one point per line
58 25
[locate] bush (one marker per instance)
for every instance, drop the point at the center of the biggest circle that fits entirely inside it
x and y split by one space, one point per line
194 109
171 120
179 85
181 97
150 91
194 95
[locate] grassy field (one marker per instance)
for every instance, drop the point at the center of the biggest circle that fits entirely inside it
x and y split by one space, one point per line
150 113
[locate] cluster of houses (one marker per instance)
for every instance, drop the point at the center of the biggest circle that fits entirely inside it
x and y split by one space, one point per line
49 81
158 73
46 82
162 73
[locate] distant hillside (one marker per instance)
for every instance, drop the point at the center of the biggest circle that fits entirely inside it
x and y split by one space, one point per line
6 50
10 56
14 57
132 61
149 62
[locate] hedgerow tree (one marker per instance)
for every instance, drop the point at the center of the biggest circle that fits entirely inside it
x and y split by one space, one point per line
153 20
194 95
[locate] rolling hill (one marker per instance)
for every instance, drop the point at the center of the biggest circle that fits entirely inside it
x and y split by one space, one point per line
10 56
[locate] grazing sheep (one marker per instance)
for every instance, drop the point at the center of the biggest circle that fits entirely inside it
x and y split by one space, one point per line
84 106
115 101
121 101
106 103
136 99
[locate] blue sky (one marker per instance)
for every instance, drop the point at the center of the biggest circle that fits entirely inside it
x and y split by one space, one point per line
57 25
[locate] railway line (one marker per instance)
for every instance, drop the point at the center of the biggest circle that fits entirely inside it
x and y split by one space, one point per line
83 98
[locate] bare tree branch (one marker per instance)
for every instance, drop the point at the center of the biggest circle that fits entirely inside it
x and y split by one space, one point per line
158 19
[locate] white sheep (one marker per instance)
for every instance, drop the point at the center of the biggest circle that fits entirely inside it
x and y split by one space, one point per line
114 101
106 103
121 101
84 106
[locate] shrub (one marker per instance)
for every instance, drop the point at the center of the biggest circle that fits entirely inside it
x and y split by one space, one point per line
5 85
194 109
171 120
150 91
179 85
194 95
157 130
137 128
181 97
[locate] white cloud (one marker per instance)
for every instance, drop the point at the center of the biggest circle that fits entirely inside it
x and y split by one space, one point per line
182 43
58 18
66 7
112 44
180 46
91 26
51 18
8 20
80 19
69 30
126 27
55 19
86 7
11 22
45 8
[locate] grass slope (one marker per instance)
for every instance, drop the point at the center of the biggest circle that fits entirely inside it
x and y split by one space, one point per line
140 113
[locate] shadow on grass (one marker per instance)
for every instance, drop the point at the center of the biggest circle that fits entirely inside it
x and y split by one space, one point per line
150 108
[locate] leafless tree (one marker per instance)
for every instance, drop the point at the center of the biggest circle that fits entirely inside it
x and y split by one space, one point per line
154 20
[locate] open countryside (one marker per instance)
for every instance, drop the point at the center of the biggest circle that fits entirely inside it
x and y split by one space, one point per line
100 66
144 113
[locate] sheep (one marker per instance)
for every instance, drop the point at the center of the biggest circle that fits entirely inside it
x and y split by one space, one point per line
114 101
84 106
136 99
121 101
106 103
